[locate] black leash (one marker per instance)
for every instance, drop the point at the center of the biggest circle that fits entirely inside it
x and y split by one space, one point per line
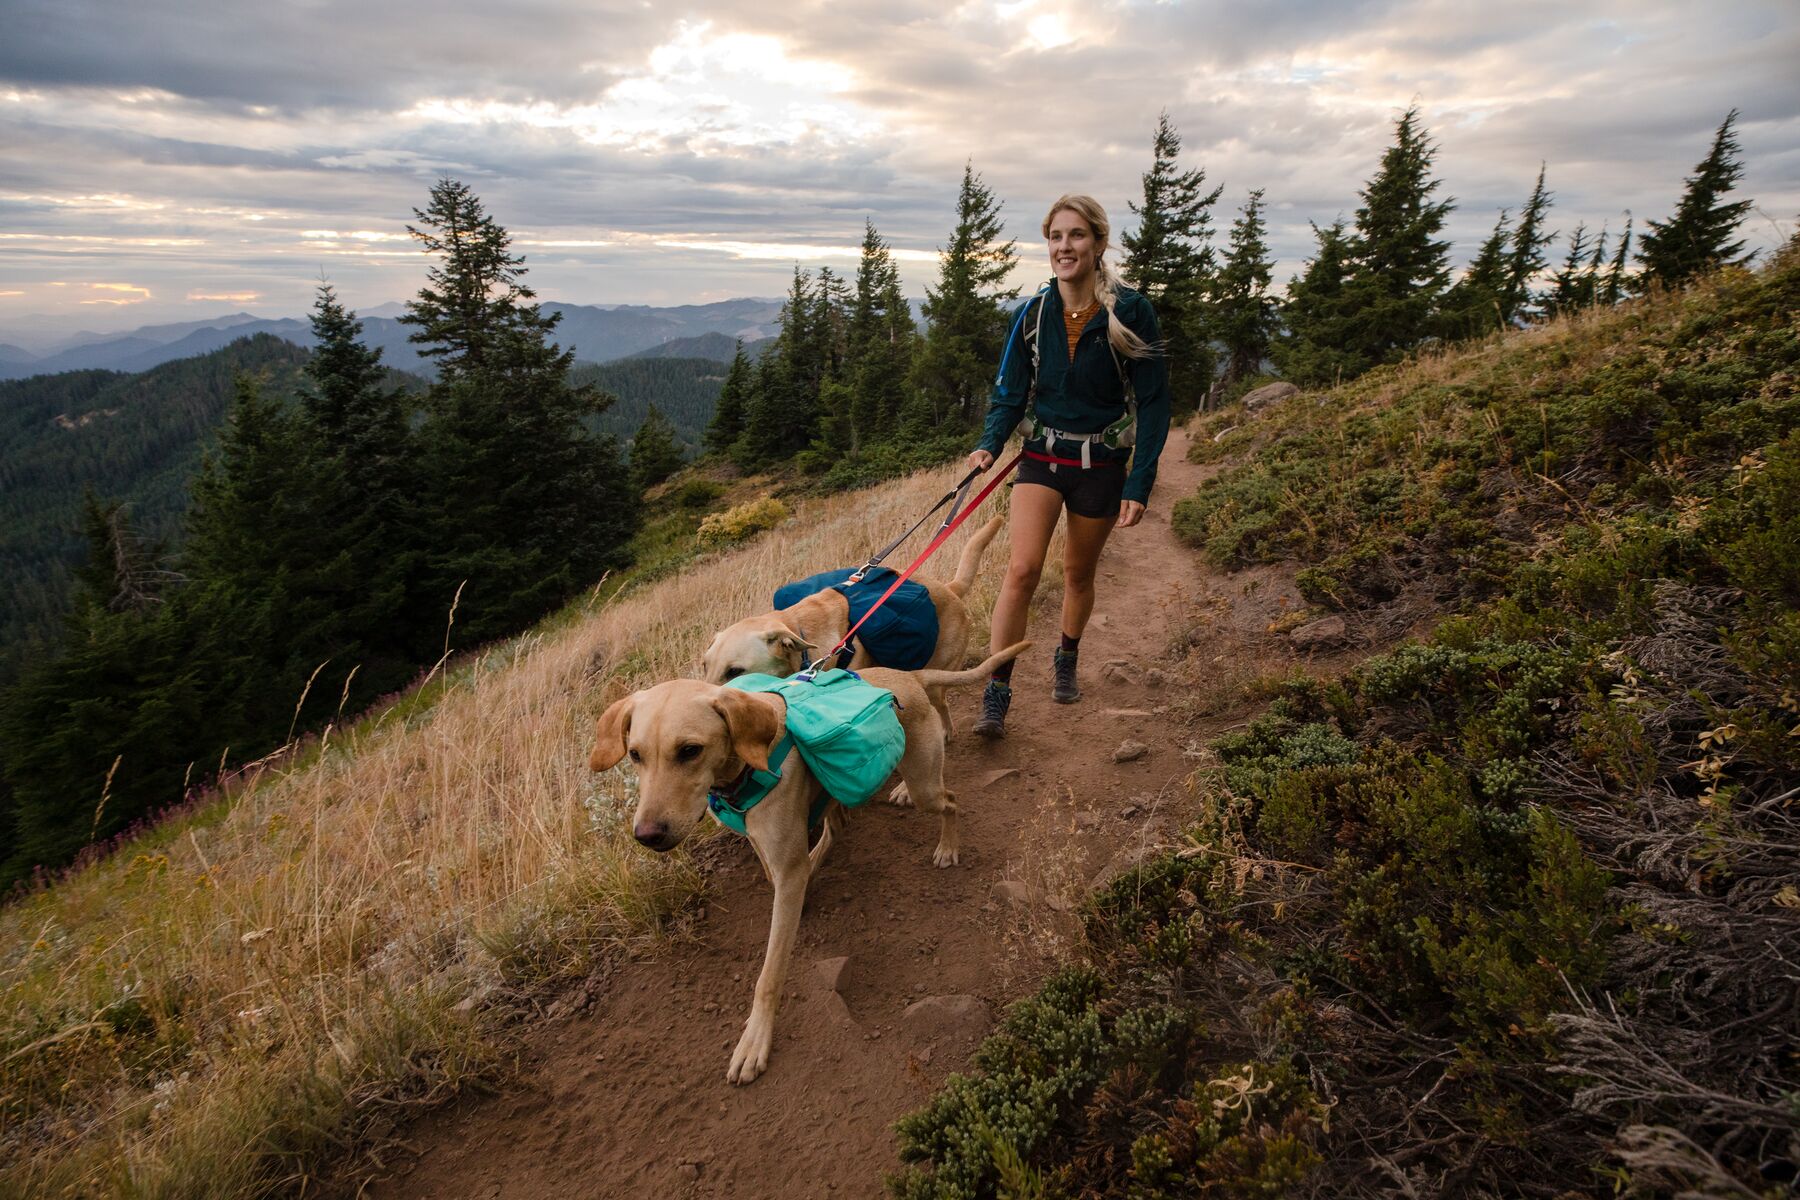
955 494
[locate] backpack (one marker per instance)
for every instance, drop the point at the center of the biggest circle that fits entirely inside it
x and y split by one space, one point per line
902 634
1120 435
847 732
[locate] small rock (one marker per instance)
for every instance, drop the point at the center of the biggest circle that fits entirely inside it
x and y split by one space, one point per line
1016 893
1326 631
1119 670
1130 751
1130 811
472 1001
1085 821
1102 621
1270 394
711 1006
828 973
940 1018
1154 678
1001 776
690 1171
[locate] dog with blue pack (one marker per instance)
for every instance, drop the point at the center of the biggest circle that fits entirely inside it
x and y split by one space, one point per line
923 626
773 759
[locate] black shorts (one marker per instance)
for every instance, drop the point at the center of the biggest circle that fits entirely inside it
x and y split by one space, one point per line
1094 492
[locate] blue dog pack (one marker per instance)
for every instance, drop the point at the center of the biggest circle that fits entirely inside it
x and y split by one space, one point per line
903 632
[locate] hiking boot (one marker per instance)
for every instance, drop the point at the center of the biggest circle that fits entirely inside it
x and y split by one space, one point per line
994 703
1065 690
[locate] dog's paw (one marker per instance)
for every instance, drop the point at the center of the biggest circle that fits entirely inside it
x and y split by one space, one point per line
751 1058
900 797
945 856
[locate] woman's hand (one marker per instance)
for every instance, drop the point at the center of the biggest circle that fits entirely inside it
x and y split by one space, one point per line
1130 513
979 460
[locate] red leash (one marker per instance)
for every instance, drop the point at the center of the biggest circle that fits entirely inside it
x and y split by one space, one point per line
937 541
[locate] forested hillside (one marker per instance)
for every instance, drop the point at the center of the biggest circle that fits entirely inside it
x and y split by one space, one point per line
684 390
136 439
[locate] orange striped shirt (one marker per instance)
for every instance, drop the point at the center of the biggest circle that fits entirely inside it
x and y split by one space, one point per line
1074 321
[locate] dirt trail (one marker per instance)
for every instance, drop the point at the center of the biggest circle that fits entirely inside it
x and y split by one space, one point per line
629 1099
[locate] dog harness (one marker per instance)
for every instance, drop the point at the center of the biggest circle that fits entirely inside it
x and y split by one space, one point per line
846 730
902 633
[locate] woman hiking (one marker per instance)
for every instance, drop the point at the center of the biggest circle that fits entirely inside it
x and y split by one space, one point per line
1077 354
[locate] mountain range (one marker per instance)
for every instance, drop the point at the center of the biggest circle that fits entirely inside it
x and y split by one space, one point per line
595 333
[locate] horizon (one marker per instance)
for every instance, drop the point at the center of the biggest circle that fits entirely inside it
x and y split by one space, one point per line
642 158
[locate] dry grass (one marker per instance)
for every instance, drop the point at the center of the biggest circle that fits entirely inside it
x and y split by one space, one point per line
239 996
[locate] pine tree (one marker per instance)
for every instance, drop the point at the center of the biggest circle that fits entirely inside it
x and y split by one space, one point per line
1527 258
1317 317
1243 311
526 506
472 315
881 339
780 417
1572 288
1169 258
727 424
655 452
965 316
1476 303
1617 282
362 448
1400 267
1699 236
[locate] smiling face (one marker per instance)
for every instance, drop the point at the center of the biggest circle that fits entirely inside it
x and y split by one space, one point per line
1073 247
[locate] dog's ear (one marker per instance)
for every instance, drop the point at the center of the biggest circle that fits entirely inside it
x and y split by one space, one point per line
787 639
610 733
752 723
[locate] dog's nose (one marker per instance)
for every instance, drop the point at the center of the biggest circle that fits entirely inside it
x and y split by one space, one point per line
654 834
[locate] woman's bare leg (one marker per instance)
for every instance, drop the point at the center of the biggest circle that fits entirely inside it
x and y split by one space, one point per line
1034 512
1081 558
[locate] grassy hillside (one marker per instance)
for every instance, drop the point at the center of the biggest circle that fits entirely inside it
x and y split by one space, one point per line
240 995
1509 910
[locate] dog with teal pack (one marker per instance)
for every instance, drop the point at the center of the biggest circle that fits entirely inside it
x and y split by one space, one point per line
774 758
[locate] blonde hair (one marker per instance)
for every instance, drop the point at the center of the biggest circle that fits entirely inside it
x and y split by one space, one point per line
1106 284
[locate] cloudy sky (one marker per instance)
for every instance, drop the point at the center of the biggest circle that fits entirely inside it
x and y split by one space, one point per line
164 160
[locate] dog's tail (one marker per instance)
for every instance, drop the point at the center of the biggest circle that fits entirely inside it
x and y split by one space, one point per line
970 562
944 679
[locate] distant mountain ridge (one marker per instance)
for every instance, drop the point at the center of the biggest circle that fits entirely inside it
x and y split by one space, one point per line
596 334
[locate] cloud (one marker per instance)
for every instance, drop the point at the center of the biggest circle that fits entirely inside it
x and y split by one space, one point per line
130 294
639 153
227 297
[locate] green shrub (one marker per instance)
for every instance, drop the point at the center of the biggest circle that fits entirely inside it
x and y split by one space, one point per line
696 494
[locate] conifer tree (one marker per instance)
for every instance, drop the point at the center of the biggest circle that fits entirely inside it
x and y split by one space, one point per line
1400 266
1527 258
881 339
472 314
655 452
966 320
1243 311
1476 303
526 505
1617 282
1574 285
362 452
1700 235
727 424
780 417
1316 315
1169 258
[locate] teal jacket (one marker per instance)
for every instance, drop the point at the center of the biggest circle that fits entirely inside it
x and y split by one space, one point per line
1084 396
